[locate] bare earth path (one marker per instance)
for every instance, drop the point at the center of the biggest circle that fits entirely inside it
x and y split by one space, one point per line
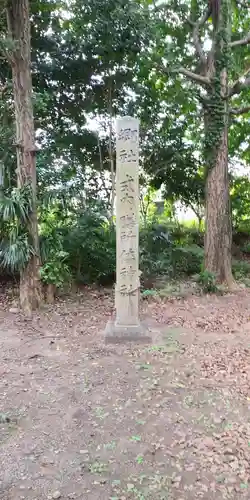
85 421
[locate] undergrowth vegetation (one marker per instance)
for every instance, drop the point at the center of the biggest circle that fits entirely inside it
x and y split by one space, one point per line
81 247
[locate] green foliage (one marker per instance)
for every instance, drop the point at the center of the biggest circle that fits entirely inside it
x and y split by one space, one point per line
16 208
55 271
169 250
240 200
241 269
15 252
15 246
91 245
207 280
187 260
246 248
155 250
184 235
165 250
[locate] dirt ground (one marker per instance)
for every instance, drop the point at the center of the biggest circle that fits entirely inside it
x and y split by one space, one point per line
170 420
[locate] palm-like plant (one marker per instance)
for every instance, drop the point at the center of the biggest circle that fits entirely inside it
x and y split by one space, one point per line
15 247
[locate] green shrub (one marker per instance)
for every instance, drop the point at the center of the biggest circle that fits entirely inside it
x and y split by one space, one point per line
155 266
207 280
90 243
170 250
241 269
246 248
155 250
187 260
194 236
155 238
183 236
15 245
55 271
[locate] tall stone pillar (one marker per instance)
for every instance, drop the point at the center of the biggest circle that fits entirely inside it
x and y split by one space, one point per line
127 325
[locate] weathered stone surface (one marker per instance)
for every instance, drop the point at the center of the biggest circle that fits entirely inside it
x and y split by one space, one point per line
127 325
115 334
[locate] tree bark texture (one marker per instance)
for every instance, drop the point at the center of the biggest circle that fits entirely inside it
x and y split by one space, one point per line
20 59
218 233
50 293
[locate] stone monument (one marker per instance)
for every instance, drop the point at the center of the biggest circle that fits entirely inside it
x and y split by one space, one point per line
126 325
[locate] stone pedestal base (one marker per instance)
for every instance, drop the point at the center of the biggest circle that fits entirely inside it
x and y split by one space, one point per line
116 334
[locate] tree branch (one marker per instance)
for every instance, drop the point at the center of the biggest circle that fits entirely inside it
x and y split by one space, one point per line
239 43
239 85
202 80
196 38
239 111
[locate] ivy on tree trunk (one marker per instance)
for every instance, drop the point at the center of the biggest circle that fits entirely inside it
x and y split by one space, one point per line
213 77
218 234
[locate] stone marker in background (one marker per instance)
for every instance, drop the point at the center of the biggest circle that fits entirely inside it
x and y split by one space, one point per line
127 326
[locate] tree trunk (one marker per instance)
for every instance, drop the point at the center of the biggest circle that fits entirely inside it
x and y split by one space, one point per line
20 59
50 293
218 236
218 226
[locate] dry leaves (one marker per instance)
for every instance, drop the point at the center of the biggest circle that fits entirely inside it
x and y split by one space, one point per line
170 420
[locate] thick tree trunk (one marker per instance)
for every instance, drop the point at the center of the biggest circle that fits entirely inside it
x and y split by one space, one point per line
20 59
218 228
218 236
218 233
